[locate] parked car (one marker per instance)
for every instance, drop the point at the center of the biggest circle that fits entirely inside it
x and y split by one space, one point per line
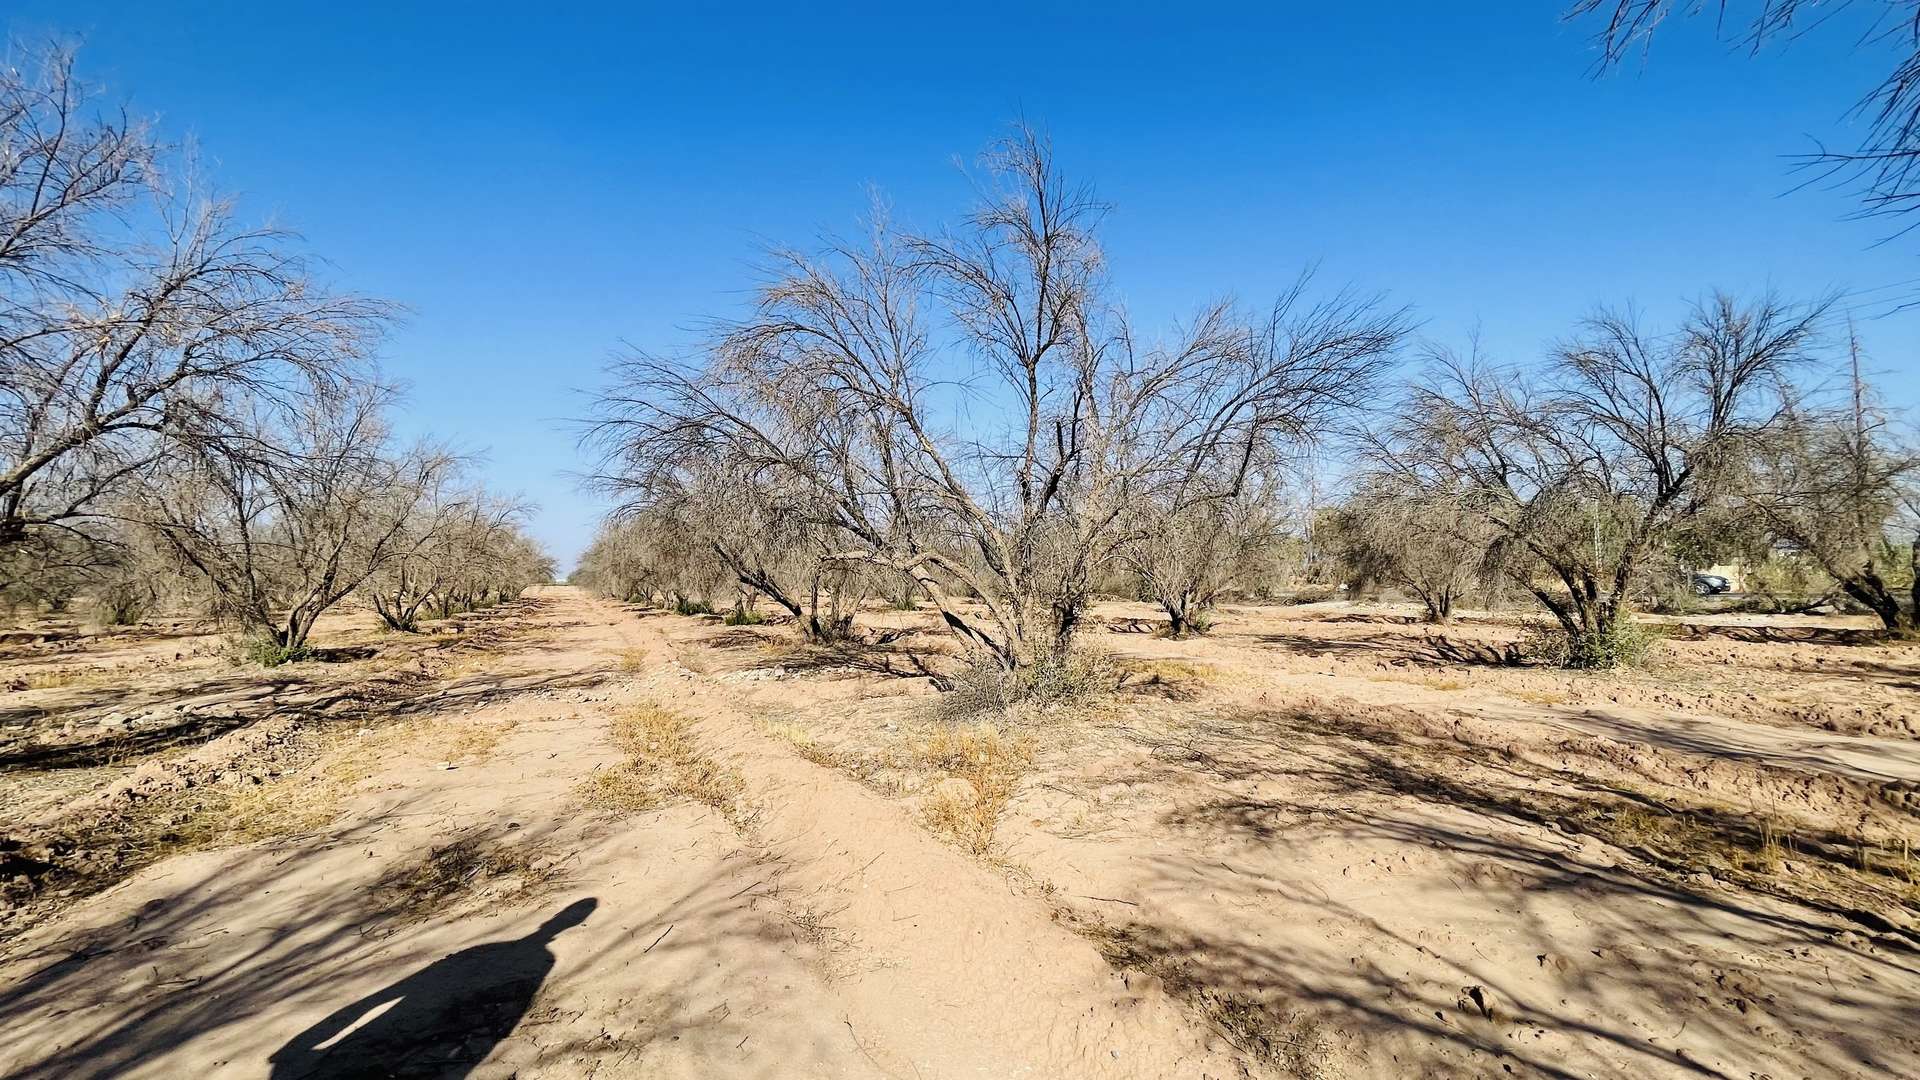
1710 584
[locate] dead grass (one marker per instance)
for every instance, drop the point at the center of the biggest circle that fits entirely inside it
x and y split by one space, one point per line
290 802
967 773
1173 670
664 764
63 677
293 785
808 747
48 680
1541 697
982 767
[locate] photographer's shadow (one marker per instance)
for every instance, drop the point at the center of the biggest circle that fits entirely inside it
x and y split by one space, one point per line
444 1019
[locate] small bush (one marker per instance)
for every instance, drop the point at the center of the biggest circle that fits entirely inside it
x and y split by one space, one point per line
123 603
743 616
688 606
267 652
1053 678
1200 623
1624 643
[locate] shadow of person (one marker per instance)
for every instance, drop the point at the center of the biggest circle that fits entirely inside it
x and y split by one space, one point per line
443 1019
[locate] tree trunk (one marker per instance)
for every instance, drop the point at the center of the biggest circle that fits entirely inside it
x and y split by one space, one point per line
1872 593
293 637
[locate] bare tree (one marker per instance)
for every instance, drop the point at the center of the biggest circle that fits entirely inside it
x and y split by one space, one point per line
1433 545
133 319
1013 488
460 549
1187 558
654 551
618 563
1836 486
769 533
283 529
1585 467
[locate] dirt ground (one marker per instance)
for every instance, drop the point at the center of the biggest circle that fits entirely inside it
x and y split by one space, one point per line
569 838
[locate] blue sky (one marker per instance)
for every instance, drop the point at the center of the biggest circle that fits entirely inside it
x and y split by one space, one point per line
538 183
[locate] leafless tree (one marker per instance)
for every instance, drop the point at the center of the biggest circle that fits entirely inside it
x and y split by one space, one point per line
768 532
1583 468
1839 487
1431 544
653 552
282 529
134 318
617 563
969 410
460 549
1187 557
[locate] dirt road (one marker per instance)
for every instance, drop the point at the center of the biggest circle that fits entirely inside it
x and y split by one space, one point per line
817 932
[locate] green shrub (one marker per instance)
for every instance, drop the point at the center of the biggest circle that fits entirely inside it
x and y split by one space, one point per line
742 616
265 651
1622 643
687 606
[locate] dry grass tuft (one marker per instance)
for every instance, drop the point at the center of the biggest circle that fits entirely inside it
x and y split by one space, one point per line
60 678
664 764
1541 697
808 747
51 679
965 773
1173 670
982 767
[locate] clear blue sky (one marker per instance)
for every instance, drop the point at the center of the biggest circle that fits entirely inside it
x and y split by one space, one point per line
540 182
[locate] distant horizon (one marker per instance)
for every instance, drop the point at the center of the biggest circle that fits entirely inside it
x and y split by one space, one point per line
537 190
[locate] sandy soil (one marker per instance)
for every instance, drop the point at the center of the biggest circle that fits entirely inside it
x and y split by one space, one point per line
1322 841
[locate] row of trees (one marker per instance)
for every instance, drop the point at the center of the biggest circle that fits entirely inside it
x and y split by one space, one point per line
1584 480
188 413
822 435
969 416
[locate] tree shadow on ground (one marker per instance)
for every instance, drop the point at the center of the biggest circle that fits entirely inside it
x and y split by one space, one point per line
1627 937
212 705
1427 650
1780 635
